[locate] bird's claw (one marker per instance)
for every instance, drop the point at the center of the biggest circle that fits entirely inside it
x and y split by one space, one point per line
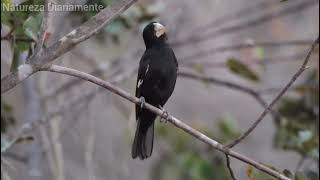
165 115
142 102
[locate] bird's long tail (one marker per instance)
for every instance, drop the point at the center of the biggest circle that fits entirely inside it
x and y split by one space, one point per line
143 140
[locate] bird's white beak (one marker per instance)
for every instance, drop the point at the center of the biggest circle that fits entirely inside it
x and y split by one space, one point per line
159 29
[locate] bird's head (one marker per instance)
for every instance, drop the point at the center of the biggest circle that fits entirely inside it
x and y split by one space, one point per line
154 34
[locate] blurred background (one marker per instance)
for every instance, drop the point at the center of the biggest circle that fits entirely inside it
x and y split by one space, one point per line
85 132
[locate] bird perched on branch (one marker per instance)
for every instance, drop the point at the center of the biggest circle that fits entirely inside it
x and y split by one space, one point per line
156 81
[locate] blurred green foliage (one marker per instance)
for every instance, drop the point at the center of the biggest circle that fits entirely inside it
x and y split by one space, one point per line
7 117
24 25
189 159
186 158
23 29
298 129
239 68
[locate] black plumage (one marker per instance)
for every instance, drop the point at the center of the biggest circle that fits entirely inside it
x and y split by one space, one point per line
155 83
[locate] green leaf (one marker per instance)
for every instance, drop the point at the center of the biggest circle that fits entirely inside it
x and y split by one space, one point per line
260 53
249 173
31 26
227 129
254 174
198 68
241 69
22 46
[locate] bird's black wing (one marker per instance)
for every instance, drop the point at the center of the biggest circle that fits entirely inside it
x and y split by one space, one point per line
142 76
143 141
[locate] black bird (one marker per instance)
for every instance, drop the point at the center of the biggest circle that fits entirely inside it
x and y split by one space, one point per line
156 81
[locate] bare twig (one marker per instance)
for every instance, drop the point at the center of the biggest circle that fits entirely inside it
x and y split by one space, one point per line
82 33
206 53
257 61
240 26
272 90
242 13
65 44
300 163
28 127
57 149
99 71
277 98
22 39
229 168
85 98
179 124
8 35
228 84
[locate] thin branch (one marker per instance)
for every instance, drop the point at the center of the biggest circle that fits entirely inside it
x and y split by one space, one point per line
206 53
263 61
228 84
28 127
292 88
242 13
229 168
71 83
25 128
22 39
240 26
65 44
277 98
93 26
99 71
8 35
179 124
300 163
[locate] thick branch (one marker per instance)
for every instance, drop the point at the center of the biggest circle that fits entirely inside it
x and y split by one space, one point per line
179 124
66 43
277 98
65 107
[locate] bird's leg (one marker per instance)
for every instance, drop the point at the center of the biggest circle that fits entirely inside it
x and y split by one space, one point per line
165 115
143 102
